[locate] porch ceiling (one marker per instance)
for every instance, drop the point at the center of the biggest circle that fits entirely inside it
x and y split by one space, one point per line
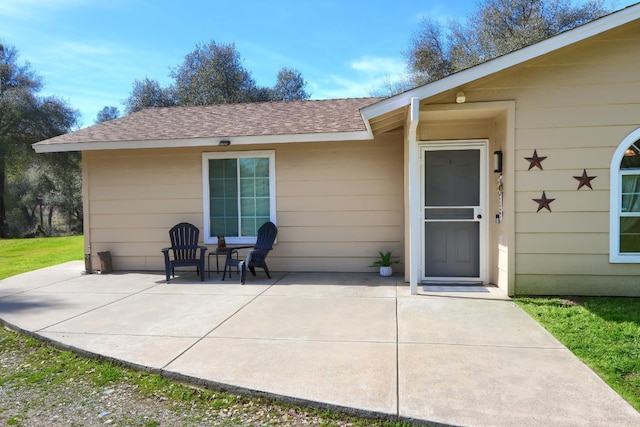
389 121
436 113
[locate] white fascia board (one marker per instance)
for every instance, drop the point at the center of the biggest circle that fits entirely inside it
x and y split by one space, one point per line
567 38
205 142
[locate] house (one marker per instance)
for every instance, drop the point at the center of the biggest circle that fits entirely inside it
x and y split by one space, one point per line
523 172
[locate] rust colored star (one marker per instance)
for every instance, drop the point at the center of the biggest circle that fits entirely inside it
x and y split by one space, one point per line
585 180
535 160
543 202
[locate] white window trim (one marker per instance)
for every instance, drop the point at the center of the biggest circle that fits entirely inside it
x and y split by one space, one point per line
615 202
271 154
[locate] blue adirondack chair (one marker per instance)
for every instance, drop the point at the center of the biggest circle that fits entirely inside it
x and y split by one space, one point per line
184 250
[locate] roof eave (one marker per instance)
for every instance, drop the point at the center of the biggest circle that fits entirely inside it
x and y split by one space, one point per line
567 38
204 142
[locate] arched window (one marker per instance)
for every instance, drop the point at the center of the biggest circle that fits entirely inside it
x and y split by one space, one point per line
624 238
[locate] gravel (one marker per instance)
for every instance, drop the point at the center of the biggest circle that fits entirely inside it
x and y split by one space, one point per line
47 398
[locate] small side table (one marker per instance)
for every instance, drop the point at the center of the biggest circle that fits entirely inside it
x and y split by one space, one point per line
217 252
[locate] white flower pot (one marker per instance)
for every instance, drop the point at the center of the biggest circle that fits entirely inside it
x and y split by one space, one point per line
386 271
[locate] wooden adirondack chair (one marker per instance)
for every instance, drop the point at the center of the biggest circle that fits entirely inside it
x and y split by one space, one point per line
184 248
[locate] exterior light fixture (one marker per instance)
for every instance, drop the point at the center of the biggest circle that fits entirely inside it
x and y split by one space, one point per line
224 142
497 161
460 98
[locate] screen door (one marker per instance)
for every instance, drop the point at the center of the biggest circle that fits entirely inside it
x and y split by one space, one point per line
453 213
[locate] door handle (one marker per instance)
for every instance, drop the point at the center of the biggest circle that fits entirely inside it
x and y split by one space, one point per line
479 216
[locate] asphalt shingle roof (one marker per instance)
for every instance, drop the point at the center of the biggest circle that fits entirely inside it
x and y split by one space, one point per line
227 120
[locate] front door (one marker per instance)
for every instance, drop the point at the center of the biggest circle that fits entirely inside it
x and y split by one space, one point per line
454 212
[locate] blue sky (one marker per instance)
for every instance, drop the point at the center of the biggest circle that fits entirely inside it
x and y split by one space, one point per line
89 52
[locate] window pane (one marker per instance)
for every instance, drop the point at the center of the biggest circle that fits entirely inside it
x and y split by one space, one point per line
216 188
231 187
231 208
218 228
247 187
248 207
247 168
216 169
262 187
223 189
249 226
217 207
630 193
231 226
631 159
239 190
262 207
260 220
630 234
262 168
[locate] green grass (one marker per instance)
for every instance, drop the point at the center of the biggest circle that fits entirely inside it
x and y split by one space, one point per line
22 255
603 332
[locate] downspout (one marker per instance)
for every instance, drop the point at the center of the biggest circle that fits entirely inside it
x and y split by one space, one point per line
414 194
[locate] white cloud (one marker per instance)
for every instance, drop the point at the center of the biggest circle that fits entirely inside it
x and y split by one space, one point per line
376 66
83 49
365 76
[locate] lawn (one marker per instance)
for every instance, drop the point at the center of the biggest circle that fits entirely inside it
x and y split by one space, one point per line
603 332
22 255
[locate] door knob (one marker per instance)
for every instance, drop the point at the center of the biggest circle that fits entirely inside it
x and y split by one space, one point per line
479 216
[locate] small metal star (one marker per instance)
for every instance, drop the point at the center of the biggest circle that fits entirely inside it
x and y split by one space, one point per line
535 160
585 179
543 202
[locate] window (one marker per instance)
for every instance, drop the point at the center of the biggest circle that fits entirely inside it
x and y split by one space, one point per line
625 201
239 194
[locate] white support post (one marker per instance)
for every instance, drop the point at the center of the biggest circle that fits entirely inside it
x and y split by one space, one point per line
414 195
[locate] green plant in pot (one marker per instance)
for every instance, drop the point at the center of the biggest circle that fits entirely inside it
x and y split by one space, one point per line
385 262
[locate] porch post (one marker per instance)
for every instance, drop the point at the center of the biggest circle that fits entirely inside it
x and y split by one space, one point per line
414 195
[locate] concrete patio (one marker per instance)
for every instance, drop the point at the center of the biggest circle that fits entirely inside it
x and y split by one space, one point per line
354 341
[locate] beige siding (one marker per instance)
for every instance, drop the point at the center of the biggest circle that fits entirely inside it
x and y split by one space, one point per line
574 107
337 203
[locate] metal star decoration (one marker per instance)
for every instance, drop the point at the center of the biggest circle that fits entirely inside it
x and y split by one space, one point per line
585 180
535 160
543 202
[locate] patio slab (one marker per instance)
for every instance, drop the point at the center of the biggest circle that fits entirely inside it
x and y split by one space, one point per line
37 279
148 352
358 375
314 318
35 311
148 314
468 321
504 386
353 341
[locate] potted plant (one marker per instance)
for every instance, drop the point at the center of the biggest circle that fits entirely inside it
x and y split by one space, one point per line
385 263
